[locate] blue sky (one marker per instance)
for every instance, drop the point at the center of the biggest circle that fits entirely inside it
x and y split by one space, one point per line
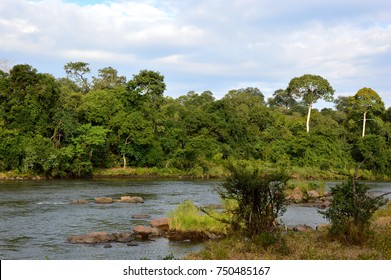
215 45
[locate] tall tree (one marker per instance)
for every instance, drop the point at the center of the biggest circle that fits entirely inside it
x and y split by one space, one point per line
310 88
367 101
77 72
108 79
150 86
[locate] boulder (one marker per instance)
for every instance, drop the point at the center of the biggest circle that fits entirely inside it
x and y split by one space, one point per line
142 232
141 216
162 224
103 200
302 228
131 199
313 194
295 196
92 238
101 237
124 237
79 201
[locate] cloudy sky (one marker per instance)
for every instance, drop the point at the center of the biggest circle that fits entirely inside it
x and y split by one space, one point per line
201 45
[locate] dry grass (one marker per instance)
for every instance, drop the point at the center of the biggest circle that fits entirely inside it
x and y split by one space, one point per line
308 245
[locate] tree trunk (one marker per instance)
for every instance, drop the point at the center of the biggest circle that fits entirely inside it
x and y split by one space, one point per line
124 159
363 123
308 117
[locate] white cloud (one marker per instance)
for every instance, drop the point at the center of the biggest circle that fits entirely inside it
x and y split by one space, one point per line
211 45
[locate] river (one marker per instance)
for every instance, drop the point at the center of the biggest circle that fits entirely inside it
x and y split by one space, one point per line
37 216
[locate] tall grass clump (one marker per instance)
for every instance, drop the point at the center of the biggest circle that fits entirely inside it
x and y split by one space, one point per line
187 217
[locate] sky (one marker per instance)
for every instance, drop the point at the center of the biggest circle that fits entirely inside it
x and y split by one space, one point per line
200 45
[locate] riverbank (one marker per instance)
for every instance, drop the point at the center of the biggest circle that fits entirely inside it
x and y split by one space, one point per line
303 245
297 173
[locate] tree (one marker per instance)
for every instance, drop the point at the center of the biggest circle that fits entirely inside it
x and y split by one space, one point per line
148 86
281 98
77 71
367 101
310 88
108 79
32 99
134 135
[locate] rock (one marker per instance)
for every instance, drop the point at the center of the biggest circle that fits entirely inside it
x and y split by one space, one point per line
92 238
161 223
141 216
101 237
155 232
302 228
295 196
79 201
103 200
107 246
191 236
313 194
142 232
326 203
131 199
124 237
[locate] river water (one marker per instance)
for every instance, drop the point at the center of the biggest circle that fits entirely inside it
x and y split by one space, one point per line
36 217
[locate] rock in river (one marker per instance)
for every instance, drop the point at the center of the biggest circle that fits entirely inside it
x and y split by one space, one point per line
103 200
161 223
131 199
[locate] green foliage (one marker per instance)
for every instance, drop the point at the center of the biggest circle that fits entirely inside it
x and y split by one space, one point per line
260 194
351 211
310 88
79 126
77 72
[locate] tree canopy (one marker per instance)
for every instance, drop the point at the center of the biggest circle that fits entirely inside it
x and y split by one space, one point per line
310 88
70 125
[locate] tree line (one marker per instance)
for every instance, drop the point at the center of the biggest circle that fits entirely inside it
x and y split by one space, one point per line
61 127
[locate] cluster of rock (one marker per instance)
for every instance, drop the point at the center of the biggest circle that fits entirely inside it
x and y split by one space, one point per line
108 200
304 227
310 198
158 228
101 237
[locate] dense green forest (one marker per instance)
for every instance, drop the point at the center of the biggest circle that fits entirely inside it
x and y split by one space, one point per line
60 127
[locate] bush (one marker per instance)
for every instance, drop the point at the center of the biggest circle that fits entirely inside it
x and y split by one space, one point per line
259 193
351 211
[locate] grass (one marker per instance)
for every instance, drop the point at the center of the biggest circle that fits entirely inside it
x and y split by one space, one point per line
138 171
17 175
187 217
307 245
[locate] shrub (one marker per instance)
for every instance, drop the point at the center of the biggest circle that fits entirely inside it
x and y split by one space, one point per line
351 211
259 193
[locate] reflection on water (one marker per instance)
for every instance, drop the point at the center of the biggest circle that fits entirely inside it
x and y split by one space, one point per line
37 217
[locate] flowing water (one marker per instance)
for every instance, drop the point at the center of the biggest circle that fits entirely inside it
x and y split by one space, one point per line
36 217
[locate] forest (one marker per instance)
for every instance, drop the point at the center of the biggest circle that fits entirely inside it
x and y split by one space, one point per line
70 126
